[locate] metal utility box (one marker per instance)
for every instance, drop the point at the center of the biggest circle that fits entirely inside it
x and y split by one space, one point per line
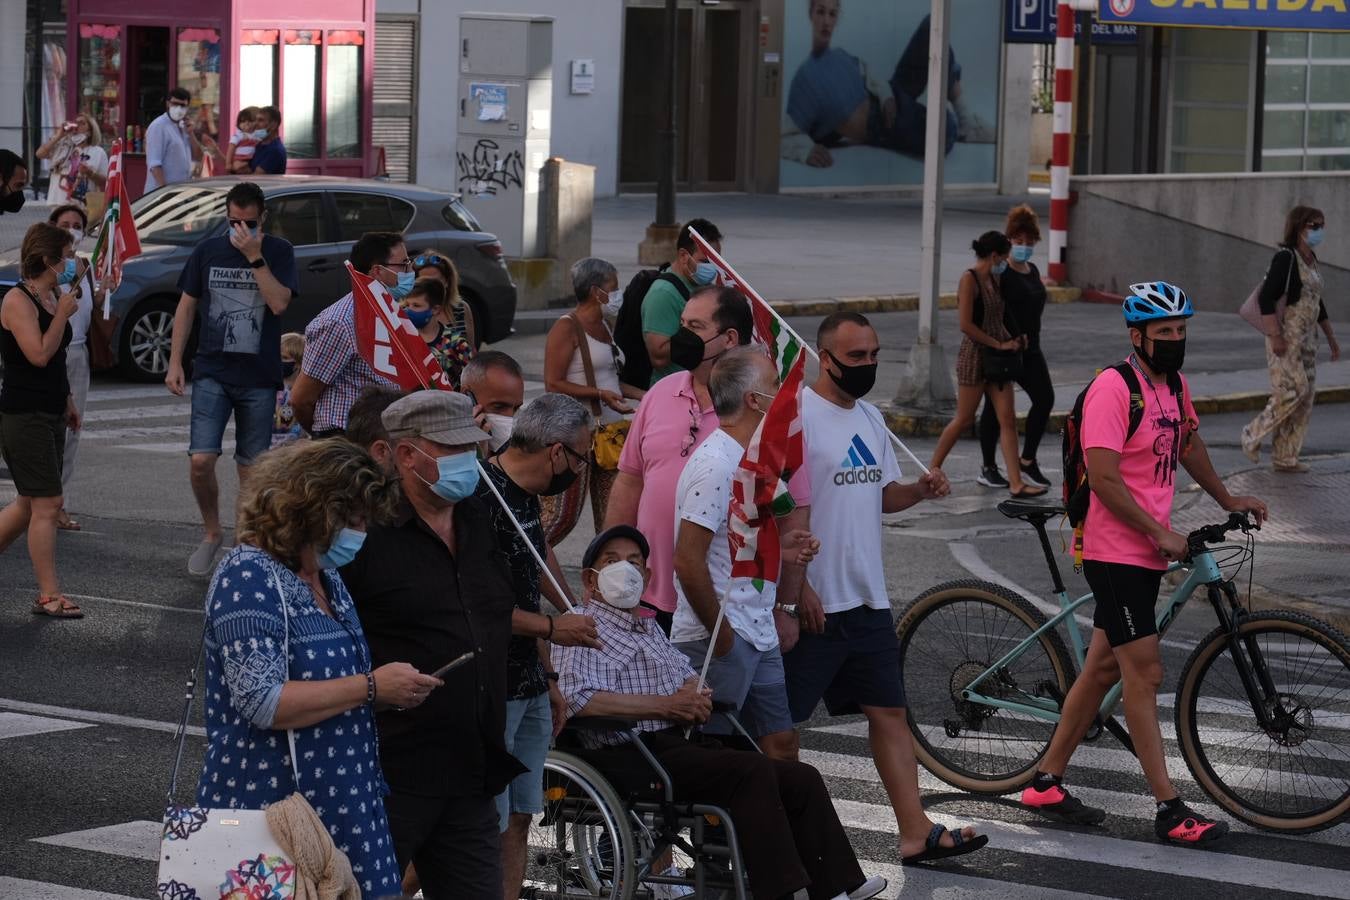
505 122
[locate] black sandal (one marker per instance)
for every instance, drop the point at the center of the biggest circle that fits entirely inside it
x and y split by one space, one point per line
933 849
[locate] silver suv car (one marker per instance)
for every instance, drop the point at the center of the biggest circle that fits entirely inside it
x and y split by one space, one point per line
321 216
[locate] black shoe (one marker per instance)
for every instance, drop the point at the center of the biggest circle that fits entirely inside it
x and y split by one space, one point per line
1182 825
991 477
1059 803
1031 474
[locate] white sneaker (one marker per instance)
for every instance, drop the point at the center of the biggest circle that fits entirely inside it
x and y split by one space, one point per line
203 558
869 888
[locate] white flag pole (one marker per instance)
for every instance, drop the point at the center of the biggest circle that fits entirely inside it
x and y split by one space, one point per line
756 298
707 657
543 567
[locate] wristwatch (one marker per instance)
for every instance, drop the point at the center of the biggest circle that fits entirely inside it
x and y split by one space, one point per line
257 263
785 608
551 676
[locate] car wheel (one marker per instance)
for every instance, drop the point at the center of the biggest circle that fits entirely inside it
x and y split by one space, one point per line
476 315
147 335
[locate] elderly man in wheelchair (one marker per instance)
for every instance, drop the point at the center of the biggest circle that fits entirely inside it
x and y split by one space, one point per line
670 813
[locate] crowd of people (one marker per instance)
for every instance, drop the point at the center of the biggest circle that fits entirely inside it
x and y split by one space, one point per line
382 534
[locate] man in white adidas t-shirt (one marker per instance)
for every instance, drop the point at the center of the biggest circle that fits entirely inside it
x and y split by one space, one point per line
847 653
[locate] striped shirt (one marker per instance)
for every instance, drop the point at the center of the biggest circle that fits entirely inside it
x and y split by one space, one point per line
331 357
635 657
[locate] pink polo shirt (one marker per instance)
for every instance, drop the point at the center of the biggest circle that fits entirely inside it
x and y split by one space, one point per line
656 449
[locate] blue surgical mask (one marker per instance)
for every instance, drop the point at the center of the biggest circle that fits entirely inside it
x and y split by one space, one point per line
343 550
456 475
1314 237
259 134
1022 252
69 273
705 273
999 269
404 286
419 317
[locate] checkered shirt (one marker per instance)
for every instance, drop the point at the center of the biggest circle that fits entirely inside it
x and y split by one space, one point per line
331 357
636 658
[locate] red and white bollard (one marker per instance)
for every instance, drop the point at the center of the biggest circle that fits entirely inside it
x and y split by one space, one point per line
1059 157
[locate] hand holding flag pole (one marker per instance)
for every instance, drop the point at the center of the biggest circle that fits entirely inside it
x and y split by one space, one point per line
773 328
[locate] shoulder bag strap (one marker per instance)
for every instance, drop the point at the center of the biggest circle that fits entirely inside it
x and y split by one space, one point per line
584 346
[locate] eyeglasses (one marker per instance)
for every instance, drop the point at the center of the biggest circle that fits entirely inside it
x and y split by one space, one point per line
687 445
250 224
575 455
429 259
404 264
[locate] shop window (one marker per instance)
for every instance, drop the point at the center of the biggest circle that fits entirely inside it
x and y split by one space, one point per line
1306 114
1211 82
258 67
199 72
100 56
298 218
359 213
342 101
300 93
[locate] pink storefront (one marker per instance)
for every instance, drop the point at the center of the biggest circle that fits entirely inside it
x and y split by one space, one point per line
314 59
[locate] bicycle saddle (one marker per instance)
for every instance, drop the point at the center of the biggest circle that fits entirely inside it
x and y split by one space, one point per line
1037 509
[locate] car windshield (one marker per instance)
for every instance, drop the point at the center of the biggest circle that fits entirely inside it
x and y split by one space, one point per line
180 215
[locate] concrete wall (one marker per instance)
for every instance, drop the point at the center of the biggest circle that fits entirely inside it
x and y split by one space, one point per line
1212 234
13 27
585 127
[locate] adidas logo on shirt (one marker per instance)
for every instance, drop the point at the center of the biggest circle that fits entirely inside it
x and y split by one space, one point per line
859 466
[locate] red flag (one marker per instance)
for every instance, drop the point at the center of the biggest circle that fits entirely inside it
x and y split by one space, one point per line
759 490
117 239
388 341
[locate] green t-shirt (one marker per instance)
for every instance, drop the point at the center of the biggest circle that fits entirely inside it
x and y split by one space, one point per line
661 310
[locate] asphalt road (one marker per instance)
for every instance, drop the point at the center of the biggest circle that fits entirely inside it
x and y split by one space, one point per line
87 708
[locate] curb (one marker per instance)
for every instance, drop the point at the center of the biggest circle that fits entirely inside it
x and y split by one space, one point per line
927 424
879 303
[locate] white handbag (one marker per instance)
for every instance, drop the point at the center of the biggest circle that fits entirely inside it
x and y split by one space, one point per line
1251 307
221 854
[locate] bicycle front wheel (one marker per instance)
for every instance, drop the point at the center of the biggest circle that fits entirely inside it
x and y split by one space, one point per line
1295 775
949 636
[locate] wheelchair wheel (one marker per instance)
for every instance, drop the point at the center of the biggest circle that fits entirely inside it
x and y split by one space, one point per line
582 845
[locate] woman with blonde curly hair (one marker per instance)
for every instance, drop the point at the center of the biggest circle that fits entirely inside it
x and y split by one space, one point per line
288 669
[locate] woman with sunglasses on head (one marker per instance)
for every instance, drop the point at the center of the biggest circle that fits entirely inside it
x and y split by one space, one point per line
456 313
1291 341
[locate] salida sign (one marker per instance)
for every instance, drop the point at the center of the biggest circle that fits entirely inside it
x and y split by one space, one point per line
1290 15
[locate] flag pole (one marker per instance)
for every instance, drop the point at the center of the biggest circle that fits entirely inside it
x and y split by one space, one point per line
520 530
707 657
756 298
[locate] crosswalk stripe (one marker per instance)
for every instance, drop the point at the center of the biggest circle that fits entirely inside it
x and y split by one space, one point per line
158 411
141 431
98 718
138 839
921 881
121 394
23 889
1224 868
1117 803
14 725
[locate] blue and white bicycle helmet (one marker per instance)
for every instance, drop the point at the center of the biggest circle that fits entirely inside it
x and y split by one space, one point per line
1151 300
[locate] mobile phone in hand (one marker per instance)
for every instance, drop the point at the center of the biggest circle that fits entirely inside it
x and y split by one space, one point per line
453 664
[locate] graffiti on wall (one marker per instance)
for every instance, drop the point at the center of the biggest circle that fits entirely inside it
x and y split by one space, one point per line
488 170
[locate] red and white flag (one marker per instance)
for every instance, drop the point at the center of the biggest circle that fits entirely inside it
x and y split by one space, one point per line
117 237
759 489
388 341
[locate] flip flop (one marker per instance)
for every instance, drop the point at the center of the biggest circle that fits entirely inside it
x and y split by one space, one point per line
933 849
65 610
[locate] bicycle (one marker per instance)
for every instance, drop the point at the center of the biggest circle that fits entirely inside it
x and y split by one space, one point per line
1262 704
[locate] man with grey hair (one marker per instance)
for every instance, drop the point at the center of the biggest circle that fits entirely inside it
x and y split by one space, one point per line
550 440
747 665
494 382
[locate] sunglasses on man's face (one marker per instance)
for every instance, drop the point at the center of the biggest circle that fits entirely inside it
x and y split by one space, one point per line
250 224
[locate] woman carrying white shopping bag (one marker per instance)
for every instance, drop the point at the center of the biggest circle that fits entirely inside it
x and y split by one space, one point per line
289 689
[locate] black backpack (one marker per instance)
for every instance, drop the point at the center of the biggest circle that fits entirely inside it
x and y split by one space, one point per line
637 365
1077 491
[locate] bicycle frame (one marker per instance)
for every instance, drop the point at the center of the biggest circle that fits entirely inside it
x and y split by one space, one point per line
1204 571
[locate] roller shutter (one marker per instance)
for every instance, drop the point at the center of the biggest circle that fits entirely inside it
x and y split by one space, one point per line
396 94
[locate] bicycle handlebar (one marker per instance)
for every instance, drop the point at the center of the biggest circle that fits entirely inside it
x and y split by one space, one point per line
1216 534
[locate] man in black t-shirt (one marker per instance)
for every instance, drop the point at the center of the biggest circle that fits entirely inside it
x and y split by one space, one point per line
549 447
236 285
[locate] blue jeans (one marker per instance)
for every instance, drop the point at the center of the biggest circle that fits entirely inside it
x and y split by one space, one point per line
751 679
529 731
212 405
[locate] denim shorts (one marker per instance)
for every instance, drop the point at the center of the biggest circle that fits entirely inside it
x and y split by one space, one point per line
750 679
529 731
212 405
854 663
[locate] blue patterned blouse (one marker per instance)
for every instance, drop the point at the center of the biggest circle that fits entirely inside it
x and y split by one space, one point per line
248 763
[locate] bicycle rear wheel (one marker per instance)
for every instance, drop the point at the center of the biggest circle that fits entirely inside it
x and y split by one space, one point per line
1294 777
948 636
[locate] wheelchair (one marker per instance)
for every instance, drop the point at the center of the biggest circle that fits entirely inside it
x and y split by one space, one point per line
621 834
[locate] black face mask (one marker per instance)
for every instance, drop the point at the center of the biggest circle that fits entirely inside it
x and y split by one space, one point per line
855 381
560 481
12 203
287 369
686 348
1167 356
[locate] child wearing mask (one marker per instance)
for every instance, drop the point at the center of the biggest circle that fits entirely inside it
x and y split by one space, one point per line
422 306
248 132
285 429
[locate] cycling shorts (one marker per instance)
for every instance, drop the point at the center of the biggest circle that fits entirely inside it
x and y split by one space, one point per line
1126 599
